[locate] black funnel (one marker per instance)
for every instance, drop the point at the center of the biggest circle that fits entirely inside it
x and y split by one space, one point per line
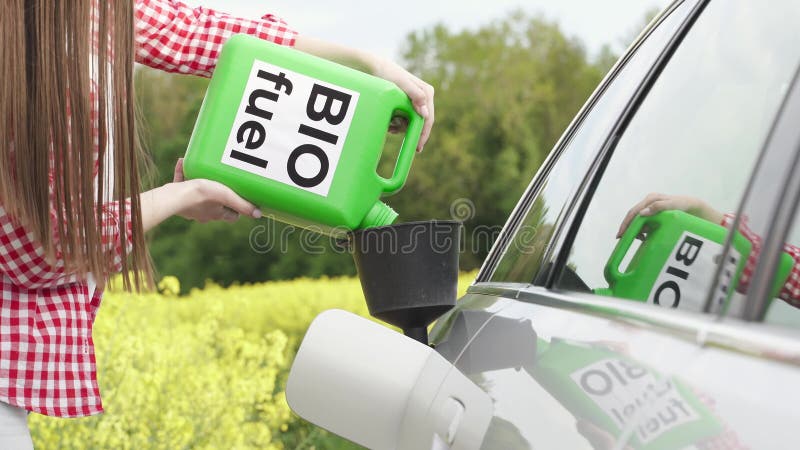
408 272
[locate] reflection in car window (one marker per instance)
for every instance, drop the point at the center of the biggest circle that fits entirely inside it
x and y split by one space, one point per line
523 254
786 282
691 146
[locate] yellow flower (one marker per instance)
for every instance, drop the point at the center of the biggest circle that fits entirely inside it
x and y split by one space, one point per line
169 286
205 373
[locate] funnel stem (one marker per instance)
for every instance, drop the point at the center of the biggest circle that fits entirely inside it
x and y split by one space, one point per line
419 334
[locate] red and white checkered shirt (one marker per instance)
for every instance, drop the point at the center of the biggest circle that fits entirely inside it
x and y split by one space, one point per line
790 292
47 359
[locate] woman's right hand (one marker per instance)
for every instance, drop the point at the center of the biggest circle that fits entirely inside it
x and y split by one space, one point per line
199 199
207 200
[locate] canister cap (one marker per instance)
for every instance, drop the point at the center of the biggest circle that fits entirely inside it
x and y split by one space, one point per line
379 215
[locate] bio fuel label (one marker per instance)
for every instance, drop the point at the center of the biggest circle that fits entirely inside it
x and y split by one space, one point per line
632 396
290 128
687 274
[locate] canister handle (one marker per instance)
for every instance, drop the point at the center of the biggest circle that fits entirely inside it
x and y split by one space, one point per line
612 272
407 151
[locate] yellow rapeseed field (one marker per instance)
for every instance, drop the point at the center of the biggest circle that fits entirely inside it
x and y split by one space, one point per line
202 371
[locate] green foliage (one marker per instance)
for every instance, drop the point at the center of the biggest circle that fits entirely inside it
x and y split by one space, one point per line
504 94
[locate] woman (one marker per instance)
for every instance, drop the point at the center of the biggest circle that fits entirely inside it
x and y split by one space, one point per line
68 121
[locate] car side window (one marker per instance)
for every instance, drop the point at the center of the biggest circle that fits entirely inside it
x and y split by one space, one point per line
658 220
522 256
769 221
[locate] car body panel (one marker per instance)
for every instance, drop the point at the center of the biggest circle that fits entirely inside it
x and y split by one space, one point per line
520 340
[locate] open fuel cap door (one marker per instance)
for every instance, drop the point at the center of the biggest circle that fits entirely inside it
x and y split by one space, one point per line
383 390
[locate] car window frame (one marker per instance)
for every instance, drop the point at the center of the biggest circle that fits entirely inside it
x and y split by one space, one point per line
563 240
745 335
783 141
534 188
773 151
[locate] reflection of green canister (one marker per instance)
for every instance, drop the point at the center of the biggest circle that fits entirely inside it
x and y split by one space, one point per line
615 394
300 136
676 262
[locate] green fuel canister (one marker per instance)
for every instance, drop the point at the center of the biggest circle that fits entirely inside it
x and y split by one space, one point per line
623 398
300 136
676 261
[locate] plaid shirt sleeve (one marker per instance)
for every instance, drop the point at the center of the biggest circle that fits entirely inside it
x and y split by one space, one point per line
790 292
174 37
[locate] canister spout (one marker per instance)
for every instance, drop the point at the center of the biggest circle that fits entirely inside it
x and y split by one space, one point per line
379 215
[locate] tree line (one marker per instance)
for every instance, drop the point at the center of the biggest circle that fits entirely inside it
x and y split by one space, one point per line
504 94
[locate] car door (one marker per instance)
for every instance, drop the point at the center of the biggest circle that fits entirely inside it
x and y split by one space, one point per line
750 361
584 341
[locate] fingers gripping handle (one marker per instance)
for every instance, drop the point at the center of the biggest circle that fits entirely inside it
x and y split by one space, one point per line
406 156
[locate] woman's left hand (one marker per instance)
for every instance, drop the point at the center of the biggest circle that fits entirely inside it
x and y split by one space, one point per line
655 202
420 93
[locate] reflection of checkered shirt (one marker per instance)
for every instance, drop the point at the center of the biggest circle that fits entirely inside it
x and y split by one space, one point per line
47 360
790 292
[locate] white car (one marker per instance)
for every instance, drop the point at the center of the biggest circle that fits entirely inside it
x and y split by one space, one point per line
571 338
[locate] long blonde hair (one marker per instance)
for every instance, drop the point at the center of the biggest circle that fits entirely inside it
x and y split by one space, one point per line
52 52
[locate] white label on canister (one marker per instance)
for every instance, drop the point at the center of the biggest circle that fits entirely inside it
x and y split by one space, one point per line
686 277
290 128
628 393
